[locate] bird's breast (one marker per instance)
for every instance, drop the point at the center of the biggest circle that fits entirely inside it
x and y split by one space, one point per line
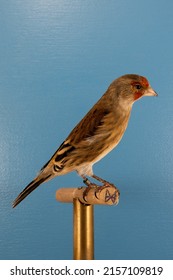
109 138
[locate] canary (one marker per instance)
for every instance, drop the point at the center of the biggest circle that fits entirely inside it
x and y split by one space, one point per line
96 134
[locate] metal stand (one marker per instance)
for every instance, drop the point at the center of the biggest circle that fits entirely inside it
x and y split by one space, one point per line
83 231
83 216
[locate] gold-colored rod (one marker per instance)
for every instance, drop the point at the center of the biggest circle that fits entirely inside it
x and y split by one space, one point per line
83 231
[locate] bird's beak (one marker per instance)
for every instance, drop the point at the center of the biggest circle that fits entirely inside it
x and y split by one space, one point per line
150 92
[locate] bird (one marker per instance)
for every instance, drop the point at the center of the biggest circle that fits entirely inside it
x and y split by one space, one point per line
99 131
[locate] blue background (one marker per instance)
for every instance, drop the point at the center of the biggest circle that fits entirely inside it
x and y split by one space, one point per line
57 59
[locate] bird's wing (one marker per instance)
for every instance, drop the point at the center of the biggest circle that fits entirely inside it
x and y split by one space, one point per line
87 128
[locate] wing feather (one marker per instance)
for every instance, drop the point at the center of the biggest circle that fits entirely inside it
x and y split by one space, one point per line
85 129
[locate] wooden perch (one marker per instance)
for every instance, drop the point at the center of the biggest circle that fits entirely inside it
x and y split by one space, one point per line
83 200
105 195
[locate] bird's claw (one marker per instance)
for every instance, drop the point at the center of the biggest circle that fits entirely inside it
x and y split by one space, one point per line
89 187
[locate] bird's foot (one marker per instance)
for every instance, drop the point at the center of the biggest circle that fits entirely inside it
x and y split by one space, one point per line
104 182
108 191
89 187
88 183
105 185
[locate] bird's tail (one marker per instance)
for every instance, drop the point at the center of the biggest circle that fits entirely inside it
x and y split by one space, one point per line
29 188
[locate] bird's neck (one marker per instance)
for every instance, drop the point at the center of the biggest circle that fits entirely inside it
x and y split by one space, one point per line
125 106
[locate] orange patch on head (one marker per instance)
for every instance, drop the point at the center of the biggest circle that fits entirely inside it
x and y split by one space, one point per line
144 82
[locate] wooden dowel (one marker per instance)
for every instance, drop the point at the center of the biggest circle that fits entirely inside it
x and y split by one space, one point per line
108 195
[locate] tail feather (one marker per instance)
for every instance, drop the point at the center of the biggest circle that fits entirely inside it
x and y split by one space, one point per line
29 188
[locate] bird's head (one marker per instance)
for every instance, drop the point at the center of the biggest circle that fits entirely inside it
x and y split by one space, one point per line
132 87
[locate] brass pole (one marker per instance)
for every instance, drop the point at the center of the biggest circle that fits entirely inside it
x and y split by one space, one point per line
83 231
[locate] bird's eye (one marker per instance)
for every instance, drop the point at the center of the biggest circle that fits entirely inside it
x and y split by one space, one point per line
138 86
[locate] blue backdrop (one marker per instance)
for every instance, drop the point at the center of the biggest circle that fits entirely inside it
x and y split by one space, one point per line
57 59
